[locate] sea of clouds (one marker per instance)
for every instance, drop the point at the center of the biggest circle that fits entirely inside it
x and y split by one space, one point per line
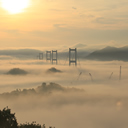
72 98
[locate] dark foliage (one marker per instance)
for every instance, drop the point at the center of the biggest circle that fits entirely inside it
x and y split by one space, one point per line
27 125
7 119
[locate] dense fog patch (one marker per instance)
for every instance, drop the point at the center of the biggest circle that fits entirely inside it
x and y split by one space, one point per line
61 106
67 99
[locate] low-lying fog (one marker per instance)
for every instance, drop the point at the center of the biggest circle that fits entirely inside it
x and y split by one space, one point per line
89 95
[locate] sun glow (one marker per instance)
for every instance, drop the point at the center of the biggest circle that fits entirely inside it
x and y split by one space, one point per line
15 6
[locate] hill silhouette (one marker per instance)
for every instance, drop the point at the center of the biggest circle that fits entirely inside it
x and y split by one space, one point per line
16 71
53 70
21 53
40 90
109 54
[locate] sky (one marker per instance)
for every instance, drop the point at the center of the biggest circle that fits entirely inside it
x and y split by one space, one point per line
55 23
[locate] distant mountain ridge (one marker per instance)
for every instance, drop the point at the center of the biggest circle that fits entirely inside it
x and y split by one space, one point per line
34 53
21 53
109 53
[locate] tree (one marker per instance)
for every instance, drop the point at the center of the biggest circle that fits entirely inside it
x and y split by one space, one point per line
32 125
7 119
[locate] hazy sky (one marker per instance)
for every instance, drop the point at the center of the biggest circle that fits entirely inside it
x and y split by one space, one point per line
61 24
56 22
